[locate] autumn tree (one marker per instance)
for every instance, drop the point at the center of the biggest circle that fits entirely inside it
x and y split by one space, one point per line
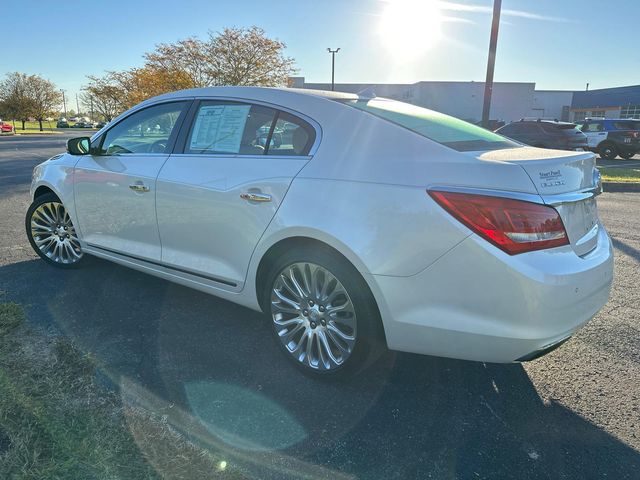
45 97
14 96
236 56
105 95
240 56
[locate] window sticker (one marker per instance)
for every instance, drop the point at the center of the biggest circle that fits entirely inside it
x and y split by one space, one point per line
219 128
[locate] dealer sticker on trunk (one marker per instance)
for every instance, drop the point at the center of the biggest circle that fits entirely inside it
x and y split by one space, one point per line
551 178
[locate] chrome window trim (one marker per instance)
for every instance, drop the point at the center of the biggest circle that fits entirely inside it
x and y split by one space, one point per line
314 124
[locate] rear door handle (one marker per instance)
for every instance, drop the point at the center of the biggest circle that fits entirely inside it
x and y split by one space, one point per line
255 197
139 187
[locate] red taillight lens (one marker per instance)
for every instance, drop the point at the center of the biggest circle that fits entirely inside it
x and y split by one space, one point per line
514 226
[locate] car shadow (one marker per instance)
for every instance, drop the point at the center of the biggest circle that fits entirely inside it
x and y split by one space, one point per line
211 368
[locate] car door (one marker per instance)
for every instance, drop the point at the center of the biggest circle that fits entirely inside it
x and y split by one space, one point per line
114 187
595 133
218 193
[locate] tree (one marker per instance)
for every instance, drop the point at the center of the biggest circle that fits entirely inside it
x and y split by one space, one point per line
240 56
107 97
237 56
45 97
14 95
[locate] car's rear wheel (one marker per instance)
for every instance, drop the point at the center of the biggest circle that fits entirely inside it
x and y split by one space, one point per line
51 232
608 151
322 313
626 155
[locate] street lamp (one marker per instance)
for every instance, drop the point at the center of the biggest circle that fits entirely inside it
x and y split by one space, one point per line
491 63
64 103
333 66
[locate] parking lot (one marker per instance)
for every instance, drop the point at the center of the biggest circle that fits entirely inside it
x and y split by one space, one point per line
211 368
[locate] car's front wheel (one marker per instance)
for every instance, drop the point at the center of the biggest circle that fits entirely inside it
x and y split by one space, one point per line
322 312
51 232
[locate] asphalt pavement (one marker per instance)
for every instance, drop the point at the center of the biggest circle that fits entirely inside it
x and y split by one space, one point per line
213 370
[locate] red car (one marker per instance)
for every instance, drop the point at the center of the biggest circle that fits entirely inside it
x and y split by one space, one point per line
6 127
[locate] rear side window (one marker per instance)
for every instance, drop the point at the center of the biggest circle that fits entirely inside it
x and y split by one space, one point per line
626 125
449 131
235 128
291 136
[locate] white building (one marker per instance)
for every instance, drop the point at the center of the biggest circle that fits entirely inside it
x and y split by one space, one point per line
510 100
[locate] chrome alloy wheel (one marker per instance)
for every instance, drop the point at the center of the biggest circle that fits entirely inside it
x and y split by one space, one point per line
314 316
54 235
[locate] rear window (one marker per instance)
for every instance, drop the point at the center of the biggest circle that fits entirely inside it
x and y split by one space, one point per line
449 131
554 127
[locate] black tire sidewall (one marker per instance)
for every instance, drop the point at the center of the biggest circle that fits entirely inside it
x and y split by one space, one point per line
46 198
370 336
614 151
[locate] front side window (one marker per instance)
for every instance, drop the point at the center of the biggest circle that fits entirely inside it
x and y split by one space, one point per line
146 131
444 129
592 127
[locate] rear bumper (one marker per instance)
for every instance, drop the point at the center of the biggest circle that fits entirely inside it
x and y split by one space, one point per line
478 303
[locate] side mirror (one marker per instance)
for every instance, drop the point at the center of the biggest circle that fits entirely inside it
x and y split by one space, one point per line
79 145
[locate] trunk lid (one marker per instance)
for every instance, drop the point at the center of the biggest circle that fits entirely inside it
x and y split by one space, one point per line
569 181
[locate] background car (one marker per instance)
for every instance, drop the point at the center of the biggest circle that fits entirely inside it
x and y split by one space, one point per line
546 134
374 223
612 137
62 124
6 127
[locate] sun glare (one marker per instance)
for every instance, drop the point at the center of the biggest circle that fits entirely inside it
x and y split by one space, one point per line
410 27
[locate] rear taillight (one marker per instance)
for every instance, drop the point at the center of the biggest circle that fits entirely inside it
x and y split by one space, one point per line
514 226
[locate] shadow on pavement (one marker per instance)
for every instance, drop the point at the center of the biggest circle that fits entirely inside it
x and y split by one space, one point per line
213 369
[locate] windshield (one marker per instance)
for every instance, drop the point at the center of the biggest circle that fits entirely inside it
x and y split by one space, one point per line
444 129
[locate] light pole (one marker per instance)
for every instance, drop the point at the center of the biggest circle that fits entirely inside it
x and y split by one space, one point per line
77 105
333 66
491 63
64 103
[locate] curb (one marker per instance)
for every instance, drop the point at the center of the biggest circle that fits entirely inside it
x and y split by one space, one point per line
620 187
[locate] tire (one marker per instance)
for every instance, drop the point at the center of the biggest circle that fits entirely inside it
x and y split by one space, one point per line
304 325
608 151
51 232
626 155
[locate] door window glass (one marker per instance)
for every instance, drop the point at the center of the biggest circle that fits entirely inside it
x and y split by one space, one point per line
291 136
230 128
146 131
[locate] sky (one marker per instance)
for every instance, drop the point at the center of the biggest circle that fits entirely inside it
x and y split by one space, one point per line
558 44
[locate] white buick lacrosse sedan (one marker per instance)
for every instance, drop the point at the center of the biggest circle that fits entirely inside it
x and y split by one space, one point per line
353 222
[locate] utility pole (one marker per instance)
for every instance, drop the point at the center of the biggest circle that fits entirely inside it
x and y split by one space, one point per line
587 89
91 98
64 103
333 67
77 105
491 63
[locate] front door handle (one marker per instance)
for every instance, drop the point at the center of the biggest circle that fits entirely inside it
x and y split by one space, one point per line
255 197
139 187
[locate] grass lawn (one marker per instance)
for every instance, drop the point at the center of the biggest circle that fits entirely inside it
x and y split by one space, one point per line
58 422
624 175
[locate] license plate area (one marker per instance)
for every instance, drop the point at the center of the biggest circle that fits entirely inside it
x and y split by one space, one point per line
581 222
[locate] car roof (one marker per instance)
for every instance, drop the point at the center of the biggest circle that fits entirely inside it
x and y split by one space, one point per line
254 93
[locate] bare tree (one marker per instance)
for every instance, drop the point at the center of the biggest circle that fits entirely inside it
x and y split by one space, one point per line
45 97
